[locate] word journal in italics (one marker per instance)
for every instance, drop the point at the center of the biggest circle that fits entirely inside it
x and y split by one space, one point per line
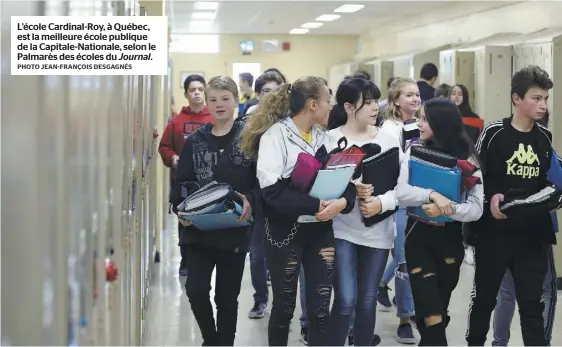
89 45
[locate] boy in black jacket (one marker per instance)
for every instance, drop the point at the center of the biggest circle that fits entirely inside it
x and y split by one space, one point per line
515 153
212 154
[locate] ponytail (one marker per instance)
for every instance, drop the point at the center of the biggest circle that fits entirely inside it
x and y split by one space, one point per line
273 108
338 117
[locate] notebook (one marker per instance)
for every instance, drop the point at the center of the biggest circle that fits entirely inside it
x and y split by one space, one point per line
381 171
444 180
546 200
330 183
222 216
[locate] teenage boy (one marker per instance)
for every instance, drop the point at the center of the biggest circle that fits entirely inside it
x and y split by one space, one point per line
515 154
247 97
267 82
428 77
190 119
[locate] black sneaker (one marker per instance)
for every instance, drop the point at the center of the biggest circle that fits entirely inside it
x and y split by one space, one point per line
405 334
374 342
383 299
258 311
304 335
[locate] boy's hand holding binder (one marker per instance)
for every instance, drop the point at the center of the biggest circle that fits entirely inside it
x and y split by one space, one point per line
185 223
246 208
495 206
331 208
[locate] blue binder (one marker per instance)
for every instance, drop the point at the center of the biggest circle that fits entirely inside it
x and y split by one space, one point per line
554 173
330 183
446 181
223 216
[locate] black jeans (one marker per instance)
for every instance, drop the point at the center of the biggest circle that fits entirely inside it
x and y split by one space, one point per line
494 253
183 248
434 255
201 262
313 247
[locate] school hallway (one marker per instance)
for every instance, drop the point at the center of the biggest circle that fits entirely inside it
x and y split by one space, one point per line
170 321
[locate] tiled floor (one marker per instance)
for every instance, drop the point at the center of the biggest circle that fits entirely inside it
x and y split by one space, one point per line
171 323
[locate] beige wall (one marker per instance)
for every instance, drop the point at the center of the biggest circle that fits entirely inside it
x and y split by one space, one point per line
309 55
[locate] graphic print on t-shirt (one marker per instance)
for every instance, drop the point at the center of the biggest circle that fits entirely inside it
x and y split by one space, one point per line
524 162
190 127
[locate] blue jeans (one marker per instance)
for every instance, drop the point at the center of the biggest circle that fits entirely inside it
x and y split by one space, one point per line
302 294
258 265
505 306
359 271
404 298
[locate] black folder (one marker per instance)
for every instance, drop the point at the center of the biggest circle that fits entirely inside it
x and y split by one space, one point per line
382 172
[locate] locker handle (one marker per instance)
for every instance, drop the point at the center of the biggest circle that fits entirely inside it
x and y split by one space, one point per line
490 65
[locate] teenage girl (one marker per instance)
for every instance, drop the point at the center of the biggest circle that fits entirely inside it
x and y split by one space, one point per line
212 153
434 253
361 251
403 106
285 125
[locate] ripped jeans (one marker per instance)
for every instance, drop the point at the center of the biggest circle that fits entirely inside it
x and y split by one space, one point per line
434 255
313 248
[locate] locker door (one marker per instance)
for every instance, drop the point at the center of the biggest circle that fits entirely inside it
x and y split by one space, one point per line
479 82
493 76
403 67
463 71
445 67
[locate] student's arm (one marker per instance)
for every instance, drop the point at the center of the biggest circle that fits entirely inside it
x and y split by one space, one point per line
485 155
185 181
275 194
350 195
471 210
406 194
166 147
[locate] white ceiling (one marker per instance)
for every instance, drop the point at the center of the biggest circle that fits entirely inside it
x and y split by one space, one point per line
279 17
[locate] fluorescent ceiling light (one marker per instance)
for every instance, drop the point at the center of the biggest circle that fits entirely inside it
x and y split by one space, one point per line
298 31
328 17
206 6
203 15
311 25
200 24
349 8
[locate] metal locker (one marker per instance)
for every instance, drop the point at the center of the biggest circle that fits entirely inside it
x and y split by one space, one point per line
446 67
493 78
383 70
403 67
430 56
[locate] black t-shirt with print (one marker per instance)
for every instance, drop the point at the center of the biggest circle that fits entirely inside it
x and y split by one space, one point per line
516 164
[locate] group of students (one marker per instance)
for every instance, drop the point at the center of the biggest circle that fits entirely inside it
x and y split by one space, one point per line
256 155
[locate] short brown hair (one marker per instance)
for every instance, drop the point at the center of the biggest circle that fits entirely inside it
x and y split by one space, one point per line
223 83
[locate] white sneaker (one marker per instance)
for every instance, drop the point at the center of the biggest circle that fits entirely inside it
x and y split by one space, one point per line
469 256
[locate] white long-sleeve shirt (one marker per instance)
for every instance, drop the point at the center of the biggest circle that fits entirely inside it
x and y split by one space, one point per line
468 211
350 226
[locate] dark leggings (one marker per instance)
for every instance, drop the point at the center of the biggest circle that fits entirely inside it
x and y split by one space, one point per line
313 247
434 255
